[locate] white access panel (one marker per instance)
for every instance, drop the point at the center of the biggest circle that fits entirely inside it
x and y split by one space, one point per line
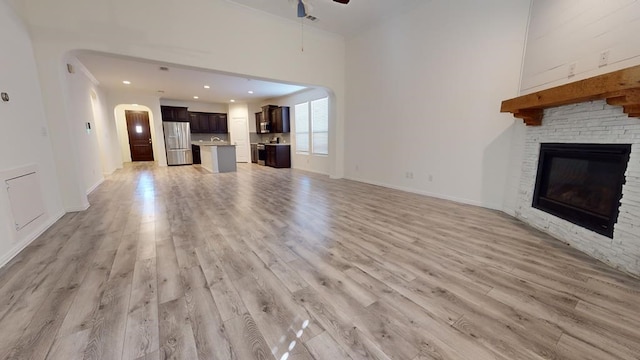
25 199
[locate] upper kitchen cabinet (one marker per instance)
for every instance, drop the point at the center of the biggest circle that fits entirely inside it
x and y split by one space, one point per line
208 123
174 113
220 121
280 120
273 119
194 121
262 126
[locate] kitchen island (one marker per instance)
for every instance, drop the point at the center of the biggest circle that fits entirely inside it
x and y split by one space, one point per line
217 156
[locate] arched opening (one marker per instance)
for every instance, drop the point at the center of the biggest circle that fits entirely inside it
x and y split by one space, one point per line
125 146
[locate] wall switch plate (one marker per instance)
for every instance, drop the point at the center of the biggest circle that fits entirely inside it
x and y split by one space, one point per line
604 58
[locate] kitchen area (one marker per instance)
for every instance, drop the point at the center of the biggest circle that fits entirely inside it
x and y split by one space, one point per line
271 143
204 139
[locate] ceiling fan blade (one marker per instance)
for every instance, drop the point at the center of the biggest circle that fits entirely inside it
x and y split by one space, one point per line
302 12
342 1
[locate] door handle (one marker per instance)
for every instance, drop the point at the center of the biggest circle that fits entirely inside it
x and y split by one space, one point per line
149 141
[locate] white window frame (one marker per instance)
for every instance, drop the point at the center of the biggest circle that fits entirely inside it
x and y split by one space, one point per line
310 128
298 133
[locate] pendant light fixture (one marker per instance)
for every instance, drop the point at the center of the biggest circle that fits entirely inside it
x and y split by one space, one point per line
302 11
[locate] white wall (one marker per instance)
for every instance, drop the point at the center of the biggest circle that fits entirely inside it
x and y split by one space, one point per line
308 162
83 108
424 93
203 34
562 32
24 137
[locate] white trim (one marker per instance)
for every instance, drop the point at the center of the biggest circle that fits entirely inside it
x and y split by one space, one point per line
86 72
427 193
29 239
78 208
95 186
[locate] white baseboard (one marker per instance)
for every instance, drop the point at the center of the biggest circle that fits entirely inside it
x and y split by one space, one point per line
29 239
427 193
95 186
78 208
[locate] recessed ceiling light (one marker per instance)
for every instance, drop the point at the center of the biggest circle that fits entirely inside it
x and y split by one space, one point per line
207 87
161 91
195 97
134 104
164 68
250 91
126 82
232 100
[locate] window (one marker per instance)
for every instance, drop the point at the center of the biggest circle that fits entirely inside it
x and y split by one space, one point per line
302 128
312 127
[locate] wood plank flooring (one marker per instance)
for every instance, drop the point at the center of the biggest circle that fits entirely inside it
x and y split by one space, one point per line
178 263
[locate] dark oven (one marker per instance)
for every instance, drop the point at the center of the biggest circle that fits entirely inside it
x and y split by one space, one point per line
262 154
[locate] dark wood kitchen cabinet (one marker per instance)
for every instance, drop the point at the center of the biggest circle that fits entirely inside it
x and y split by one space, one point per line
273 119
280 120
205 123
194 122
195 151
174 113
220 122
278 156
262 127
208 123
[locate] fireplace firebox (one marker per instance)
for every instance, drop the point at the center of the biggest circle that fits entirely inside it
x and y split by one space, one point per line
582 183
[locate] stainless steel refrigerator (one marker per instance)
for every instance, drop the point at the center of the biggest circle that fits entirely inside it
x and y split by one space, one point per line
177 141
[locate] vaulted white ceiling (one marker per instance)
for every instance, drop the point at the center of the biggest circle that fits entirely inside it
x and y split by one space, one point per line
334 17
182 83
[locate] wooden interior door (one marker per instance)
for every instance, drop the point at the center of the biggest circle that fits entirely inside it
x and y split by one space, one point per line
139 135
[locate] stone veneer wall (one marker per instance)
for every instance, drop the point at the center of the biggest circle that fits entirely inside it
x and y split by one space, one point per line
588 122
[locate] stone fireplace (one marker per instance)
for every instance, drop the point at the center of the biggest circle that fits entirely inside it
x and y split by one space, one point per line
582 183
608 221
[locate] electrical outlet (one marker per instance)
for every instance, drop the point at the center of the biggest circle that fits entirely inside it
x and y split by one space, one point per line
604 58
572 70
430 177
357 167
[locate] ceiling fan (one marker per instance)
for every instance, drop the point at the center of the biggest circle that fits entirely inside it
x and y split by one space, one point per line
303 6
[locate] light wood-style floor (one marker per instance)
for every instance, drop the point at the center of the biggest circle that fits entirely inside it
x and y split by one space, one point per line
177 263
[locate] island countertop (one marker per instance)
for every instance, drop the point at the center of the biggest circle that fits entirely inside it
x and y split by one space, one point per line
211 143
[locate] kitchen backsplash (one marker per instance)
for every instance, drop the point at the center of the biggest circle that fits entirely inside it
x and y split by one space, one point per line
266 138
254 138
207 137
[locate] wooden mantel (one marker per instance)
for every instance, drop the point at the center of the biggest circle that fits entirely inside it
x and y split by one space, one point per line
620 88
